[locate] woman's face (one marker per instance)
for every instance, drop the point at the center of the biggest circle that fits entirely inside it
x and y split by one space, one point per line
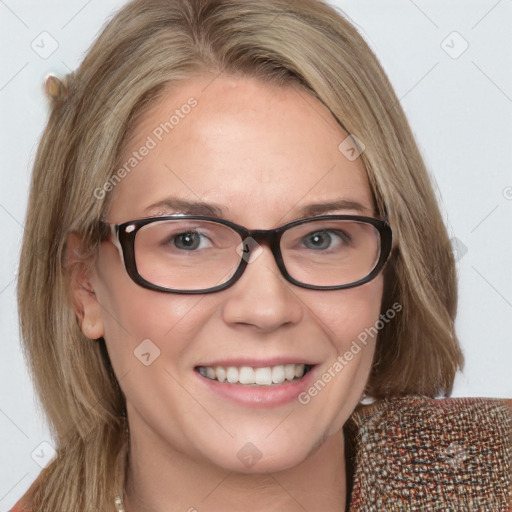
261 154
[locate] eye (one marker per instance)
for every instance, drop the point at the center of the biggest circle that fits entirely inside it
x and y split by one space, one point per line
189 241
322 240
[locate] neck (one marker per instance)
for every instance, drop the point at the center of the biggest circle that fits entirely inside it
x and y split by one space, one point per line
160 480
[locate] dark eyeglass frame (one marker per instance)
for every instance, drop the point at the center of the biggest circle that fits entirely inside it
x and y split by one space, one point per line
124 239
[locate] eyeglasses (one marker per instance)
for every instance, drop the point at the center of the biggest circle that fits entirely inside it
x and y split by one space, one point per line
197 254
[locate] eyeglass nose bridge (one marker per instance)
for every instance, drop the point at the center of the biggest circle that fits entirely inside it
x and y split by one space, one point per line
254 239
269 237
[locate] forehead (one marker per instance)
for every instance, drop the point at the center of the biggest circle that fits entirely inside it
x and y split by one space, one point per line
259 151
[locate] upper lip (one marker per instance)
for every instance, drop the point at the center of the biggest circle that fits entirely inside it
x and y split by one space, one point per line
259 363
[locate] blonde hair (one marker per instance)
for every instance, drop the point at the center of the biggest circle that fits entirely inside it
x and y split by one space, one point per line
145 48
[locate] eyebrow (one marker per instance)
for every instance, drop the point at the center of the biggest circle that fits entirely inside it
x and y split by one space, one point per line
176 206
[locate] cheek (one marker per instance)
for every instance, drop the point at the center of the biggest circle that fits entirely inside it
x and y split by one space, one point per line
138 321
347 315
348 318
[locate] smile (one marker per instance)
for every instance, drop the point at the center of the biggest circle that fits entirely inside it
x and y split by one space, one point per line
255 376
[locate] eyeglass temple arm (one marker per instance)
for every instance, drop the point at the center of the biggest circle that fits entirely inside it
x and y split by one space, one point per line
114 238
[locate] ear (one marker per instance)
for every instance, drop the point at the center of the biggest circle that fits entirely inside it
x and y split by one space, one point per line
83 297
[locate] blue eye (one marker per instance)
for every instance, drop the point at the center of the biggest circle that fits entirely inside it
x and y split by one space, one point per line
322 240
180 237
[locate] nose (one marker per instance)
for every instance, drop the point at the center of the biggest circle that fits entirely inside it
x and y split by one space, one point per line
262 298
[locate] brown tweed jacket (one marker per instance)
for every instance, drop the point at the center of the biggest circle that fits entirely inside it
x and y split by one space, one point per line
422 454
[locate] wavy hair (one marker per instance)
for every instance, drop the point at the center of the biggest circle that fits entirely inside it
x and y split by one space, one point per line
148 46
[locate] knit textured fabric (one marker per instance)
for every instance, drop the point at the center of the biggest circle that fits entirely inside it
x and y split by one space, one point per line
422 454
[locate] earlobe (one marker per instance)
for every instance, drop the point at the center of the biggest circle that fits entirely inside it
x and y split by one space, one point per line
81 289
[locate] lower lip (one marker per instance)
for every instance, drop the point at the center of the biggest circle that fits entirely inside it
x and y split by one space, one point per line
259 396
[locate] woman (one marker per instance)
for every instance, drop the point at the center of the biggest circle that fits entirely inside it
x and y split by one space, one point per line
242 242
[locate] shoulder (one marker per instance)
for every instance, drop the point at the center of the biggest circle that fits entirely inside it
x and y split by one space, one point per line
418 453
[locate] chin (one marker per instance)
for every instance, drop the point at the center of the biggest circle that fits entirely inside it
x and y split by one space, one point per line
266 456
268 463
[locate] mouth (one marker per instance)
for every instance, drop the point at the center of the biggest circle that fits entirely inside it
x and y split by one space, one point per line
256 376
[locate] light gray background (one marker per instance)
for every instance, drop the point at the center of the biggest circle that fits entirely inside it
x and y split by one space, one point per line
459 104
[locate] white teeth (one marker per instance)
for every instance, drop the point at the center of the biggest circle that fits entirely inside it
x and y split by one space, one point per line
220 373
289 371
278 374
232 374
246 375
265 376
